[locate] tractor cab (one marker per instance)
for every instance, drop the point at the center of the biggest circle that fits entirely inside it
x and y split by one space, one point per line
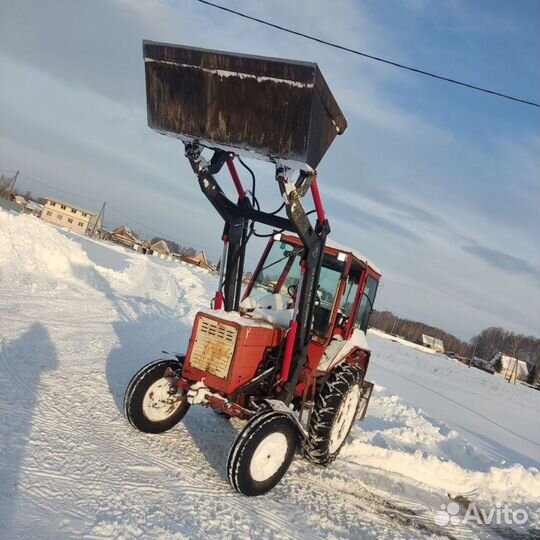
345 293
344 298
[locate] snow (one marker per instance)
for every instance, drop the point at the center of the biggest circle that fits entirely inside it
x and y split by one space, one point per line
403 341
79 317
235 317
227 73
339 349
270 307
330 242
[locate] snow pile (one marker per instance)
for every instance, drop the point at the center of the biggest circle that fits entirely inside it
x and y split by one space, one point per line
33 251
399 438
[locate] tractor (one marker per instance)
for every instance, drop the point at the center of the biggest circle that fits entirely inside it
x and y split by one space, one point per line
287 353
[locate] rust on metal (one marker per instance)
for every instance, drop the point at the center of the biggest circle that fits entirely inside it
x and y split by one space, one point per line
277 110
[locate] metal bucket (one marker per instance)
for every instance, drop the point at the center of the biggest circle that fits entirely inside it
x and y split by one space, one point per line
265 108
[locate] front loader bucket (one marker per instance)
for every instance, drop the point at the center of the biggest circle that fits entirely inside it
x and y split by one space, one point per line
266 108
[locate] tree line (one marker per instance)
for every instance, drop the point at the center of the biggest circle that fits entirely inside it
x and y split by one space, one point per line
485 345
492 340
413 330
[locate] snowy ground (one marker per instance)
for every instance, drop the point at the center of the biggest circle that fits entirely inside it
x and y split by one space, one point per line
77 318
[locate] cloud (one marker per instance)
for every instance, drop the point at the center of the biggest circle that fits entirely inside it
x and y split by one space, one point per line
501 260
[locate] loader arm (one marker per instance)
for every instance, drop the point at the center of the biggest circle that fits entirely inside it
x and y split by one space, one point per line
237 217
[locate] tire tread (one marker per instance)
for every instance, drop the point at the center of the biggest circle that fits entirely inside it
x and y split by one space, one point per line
327 402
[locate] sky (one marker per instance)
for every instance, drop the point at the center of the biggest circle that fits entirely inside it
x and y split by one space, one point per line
438 185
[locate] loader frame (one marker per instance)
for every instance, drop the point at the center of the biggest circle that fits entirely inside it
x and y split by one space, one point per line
239 218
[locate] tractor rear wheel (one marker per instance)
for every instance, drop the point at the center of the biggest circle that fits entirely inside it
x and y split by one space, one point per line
334 413
151 403
262 453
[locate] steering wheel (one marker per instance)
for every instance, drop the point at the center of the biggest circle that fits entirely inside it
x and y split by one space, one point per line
292 289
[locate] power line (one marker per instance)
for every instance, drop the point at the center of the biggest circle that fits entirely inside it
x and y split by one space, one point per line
372 57
32 179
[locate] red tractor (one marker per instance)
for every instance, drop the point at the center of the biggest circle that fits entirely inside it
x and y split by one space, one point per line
289 353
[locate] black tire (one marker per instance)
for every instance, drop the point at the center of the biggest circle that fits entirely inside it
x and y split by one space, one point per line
340 395
136 393
269 431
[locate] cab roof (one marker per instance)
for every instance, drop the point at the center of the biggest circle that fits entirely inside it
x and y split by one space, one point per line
344 249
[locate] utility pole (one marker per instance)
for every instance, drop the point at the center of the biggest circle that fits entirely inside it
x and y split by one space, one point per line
473 354
99 219
513 372
12 186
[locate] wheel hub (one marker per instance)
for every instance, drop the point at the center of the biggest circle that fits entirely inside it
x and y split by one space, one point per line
268 457
161 400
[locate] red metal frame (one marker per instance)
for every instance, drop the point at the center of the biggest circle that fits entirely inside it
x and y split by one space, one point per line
220 298
252 342
321 216
287 353
236 178
258 268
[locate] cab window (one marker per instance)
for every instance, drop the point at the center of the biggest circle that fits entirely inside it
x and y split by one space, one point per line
329 280
366 304
349 296
277 260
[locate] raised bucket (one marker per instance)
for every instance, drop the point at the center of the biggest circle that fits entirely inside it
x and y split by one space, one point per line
266 108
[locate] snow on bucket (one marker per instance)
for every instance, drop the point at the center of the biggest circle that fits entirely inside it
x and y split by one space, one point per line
266 108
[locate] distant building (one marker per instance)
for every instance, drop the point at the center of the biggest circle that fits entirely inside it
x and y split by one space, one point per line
33 208
28 206
123 235
433 343
511 366
70 216
160 248
199 260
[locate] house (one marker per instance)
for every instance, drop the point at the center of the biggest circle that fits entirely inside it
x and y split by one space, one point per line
20 200
145 248
123 236
160 248
104 234
511 367
28 206
432 343
199 260
33 208
70 216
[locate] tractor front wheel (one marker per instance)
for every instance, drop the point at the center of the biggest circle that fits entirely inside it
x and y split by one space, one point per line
334 413
151 403
262 453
